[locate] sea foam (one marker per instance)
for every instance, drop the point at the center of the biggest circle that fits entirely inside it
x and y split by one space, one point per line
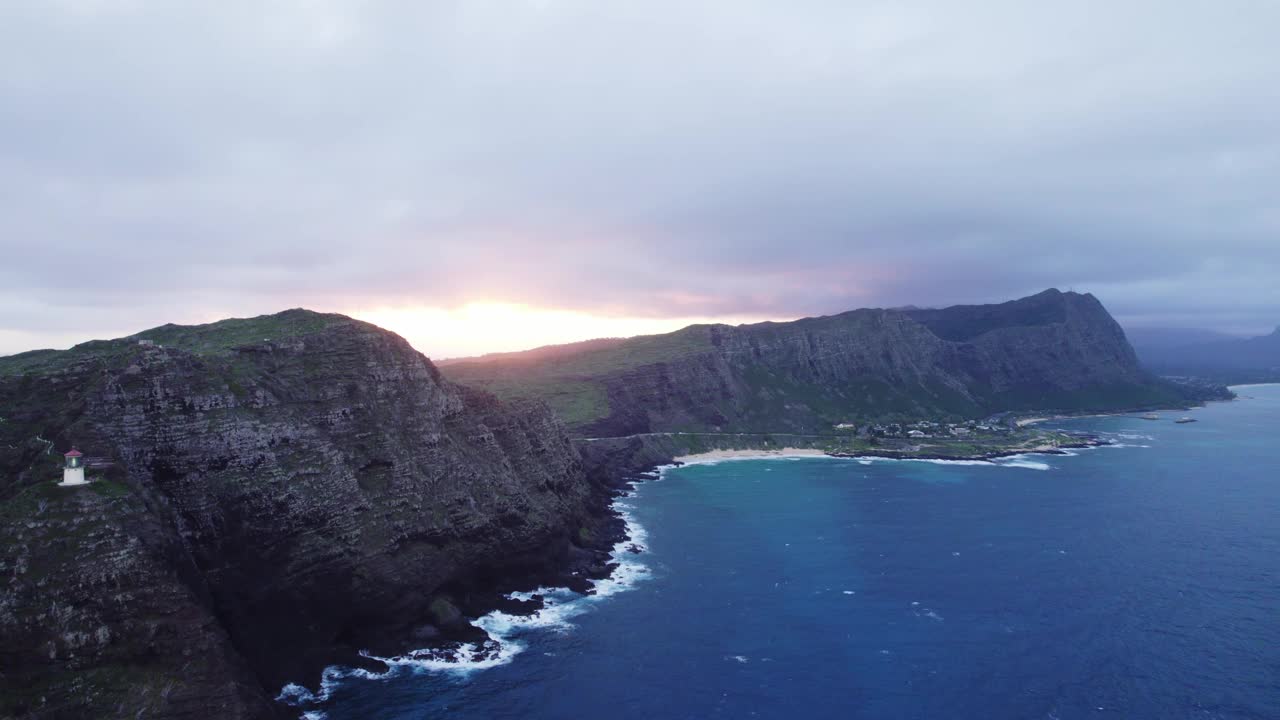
504 630
1023 461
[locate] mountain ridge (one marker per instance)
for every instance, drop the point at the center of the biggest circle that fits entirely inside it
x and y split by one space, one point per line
1052 351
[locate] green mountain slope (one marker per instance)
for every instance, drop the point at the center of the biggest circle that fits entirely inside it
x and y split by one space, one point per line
1053 351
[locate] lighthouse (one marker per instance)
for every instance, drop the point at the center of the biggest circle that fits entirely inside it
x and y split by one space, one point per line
73 469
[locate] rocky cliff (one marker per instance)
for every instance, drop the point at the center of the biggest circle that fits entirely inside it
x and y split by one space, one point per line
272 495
1051 351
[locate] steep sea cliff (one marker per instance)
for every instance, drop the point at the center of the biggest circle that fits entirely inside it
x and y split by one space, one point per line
264 508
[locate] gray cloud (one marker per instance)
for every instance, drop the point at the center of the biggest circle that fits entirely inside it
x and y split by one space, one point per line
190 160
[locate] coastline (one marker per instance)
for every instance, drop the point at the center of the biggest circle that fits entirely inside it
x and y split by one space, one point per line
564 591
609 614
1029 419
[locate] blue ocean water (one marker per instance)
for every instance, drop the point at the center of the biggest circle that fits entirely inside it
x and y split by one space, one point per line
1136 581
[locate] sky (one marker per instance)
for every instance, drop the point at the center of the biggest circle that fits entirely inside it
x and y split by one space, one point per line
484 176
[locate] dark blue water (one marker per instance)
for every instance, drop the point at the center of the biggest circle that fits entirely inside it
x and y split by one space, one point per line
1134 582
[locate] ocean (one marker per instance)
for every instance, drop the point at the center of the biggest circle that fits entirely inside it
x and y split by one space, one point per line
1140 580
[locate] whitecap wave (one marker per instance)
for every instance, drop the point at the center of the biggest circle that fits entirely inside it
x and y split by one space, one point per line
872 459
1023 461
927 613
1127 435
296 695
937 461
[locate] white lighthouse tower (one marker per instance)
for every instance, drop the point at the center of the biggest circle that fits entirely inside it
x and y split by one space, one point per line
73 470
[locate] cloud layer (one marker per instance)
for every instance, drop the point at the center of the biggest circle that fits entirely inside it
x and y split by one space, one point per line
179 161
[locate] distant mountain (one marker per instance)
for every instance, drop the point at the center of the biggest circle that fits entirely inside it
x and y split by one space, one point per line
1053 351
1230 360
1146 339
546 352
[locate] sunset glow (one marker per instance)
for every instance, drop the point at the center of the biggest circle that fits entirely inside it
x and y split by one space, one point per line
483 327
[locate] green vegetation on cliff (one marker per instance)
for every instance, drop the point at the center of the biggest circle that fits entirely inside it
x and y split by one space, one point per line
269 496
215 338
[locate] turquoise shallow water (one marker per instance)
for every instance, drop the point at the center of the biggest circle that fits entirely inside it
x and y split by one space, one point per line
1137 581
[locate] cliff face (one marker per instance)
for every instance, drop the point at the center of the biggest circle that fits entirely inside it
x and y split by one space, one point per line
266 506
1052 351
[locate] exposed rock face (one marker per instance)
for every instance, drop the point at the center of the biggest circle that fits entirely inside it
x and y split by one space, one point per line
271 505
1052 351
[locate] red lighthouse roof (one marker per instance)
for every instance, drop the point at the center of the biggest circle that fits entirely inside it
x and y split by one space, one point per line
74 453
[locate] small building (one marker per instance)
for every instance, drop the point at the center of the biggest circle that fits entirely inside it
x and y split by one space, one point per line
845 426
73 469
915 434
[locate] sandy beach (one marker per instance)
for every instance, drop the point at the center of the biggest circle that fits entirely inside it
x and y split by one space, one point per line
715 455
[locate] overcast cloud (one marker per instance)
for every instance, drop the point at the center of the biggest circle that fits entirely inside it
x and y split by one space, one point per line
173 161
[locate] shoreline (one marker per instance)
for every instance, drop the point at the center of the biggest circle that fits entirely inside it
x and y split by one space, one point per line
550 601
712 456
717 456
1028 420
545 597
978 457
